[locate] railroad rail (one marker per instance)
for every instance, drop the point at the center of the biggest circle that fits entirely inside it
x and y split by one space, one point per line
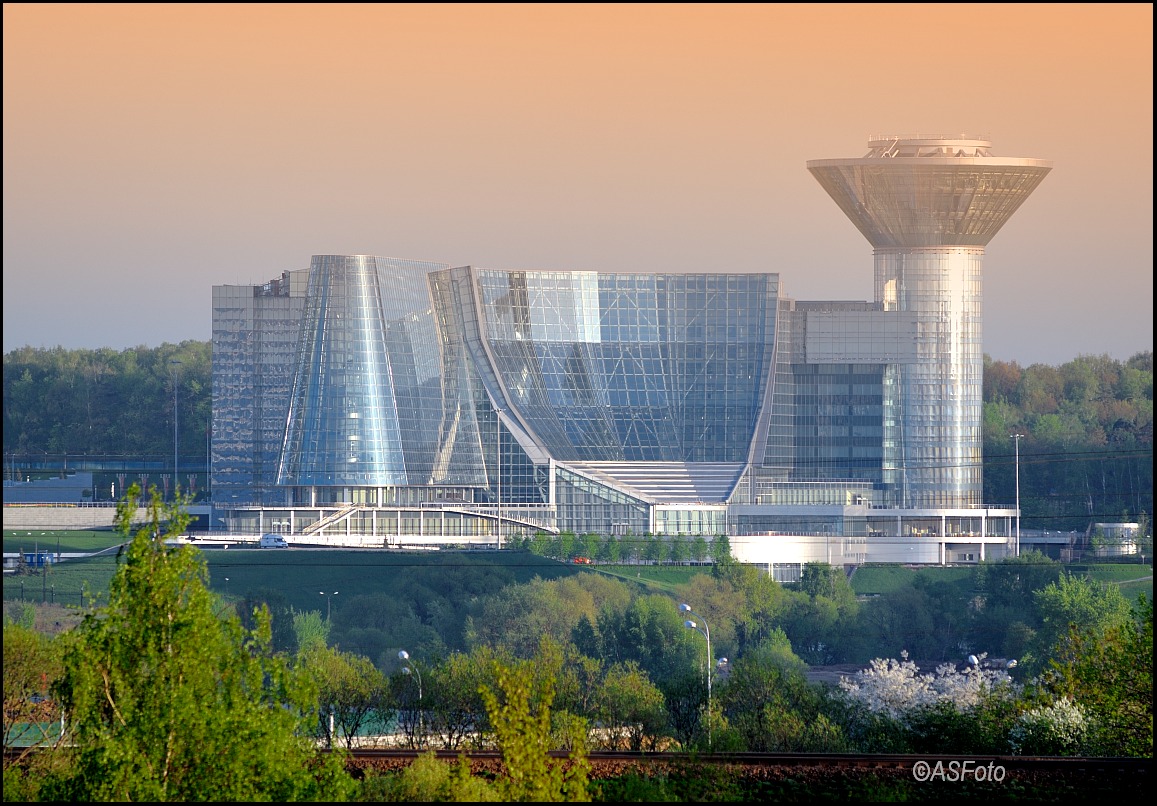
1132 773
1114 764
1090 763
613 764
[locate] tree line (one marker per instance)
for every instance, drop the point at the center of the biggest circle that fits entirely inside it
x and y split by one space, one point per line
104 402
1086 453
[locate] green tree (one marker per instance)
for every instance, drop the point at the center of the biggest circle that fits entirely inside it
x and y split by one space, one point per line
1088 605
31 664
631 709
609 549
650 631
1109 673
284 635
519 617
817 621
654 549
768 702
351 691
721 552
576 679
899 618
518 709
310 630
540 544
454 703
699 549
167 701
590 543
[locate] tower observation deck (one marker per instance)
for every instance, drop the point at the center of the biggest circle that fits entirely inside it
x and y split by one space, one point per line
929 206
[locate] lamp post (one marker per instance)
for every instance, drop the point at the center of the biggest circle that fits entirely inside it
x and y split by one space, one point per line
498 470
1017 438
706 633
409 668
328 600
173 364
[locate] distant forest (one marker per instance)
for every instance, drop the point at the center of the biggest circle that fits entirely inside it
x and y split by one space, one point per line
1086 453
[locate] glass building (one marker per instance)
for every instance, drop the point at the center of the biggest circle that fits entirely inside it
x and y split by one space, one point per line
385 402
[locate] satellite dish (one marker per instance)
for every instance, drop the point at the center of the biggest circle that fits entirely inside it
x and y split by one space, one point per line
972 661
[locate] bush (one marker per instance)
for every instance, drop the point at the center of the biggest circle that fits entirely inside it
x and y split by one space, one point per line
1060 729
428 780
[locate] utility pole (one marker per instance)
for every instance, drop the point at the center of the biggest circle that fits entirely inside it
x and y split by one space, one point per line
173 364
1017 438
498 472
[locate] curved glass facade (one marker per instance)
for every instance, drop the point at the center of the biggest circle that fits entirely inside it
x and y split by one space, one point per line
640 367
367 372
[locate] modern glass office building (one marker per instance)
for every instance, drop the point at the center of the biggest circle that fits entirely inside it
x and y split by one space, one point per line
378 401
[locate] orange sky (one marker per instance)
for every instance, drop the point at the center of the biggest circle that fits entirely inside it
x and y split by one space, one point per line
152 151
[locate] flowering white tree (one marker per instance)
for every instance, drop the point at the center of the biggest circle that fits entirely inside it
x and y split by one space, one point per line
1059 729
966 688
897 688
889 687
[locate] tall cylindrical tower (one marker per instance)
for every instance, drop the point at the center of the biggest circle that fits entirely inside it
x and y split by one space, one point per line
929 206
342 429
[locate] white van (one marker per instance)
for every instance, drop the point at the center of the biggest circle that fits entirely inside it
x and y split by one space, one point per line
273 542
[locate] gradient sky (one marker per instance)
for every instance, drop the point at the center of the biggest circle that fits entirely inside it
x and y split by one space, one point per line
154 151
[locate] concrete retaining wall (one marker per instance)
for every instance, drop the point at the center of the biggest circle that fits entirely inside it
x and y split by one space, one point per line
62 517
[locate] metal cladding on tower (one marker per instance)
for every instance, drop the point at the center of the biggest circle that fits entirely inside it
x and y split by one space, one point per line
921 191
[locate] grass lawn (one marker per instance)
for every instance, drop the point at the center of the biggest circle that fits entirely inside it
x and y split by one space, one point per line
22 540
1114 572
655 577
300 575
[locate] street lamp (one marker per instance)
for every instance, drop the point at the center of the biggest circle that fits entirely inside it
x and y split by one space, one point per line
410 668
706 633
173 364
328 600
1017 438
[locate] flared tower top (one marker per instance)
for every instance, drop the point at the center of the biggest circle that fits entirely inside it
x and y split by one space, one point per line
921 191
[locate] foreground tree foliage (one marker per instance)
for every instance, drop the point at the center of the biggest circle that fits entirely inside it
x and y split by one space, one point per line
518 709
353 695
166 699
1109 675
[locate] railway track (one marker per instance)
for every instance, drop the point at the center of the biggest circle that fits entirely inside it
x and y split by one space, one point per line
616 763
1074 775
362 757
788 759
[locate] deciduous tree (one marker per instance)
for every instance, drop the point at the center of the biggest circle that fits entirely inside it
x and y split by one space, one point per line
165 700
